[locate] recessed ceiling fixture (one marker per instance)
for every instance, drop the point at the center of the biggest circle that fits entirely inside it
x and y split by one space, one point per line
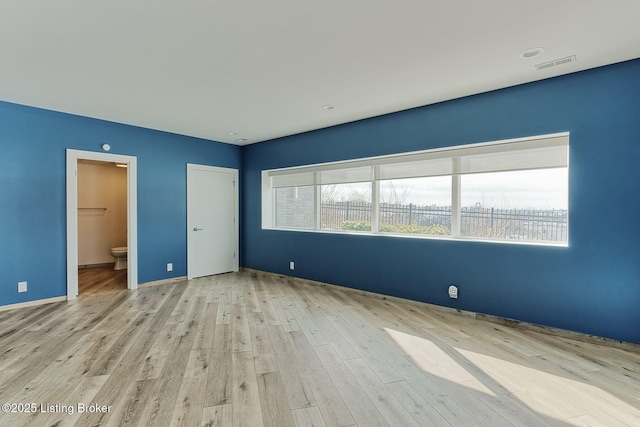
241 140
530 53
328 107
232 133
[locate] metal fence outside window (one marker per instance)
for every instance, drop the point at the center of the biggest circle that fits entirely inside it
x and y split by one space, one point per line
513 224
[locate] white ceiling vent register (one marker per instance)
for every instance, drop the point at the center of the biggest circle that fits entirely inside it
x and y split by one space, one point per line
556 62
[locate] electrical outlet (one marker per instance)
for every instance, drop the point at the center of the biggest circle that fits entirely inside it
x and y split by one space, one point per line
292 265
22 286
170 266
453 291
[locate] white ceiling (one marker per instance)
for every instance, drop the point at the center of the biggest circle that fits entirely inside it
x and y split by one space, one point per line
264 69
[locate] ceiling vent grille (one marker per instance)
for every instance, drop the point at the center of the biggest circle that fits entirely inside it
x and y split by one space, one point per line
556 62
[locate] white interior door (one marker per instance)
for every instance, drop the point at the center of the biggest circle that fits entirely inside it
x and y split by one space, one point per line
212 226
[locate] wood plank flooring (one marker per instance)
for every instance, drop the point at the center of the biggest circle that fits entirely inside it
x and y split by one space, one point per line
101 279
253 349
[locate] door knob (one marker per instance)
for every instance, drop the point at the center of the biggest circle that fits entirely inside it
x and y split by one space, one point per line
197 229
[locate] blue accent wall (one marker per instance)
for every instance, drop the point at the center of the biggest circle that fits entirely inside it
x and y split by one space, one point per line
33 145
593 286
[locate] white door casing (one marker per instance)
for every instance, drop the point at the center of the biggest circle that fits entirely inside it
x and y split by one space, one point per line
72 215
212 220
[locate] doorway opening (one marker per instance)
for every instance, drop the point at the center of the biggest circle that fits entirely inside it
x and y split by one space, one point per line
102 226
87 213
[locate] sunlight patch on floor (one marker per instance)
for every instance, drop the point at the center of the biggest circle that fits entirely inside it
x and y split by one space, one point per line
432 359
551 394
548 394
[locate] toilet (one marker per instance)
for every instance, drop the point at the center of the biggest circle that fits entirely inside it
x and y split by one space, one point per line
120 254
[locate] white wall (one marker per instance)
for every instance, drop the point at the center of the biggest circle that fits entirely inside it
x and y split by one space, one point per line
101 185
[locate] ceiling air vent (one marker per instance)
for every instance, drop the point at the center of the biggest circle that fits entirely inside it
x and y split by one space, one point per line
556 62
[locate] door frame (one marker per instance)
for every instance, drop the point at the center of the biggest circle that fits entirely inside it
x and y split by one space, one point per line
72 215
236 195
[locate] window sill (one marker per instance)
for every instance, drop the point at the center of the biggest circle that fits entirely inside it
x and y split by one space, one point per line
426 237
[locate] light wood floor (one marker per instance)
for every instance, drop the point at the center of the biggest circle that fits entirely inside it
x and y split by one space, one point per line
252 349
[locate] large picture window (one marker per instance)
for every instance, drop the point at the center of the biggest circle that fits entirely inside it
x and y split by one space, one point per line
515 190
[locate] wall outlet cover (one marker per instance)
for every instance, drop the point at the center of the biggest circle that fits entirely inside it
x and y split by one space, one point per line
453 292
22 286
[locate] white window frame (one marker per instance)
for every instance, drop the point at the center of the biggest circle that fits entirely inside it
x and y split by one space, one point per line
313 175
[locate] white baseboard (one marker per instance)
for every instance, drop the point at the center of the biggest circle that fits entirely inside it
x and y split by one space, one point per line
162 282
32 303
